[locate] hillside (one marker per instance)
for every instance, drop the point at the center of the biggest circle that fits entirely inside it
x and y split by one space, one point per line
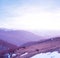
49 45
6 47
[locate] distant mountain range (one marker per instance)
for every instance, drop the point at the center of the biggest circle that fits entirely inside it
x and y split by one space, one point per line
10 39
18 37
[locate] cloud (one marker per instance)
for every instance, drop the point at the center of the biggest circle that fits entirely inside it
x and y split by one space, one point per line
29 17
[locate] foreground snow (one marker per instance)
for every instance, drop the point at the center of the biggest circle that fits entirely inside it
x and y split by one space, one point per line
54 54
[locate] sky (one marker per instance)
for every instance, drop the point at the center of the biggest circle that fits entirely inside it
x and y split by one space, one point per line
30 14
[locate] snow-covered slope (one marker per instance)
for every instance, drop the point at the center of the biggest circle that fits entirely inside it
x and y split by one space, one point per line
54 54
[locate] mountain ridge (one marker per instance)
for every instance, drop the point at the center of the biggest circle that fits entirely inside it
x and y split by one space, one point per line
18 37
